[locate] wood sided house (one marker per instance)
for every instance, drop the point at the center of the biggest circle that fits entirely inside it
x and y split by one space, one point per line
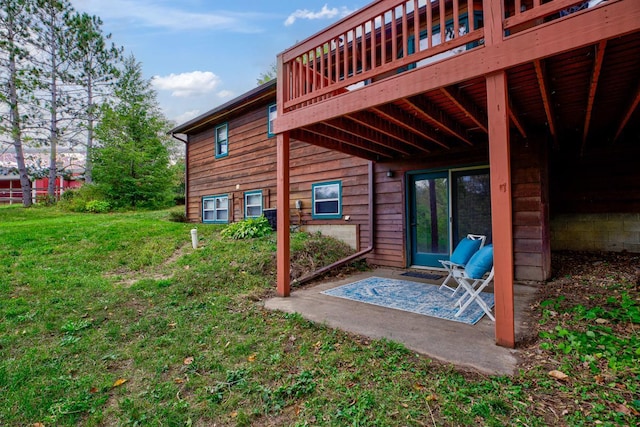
231 172
523 124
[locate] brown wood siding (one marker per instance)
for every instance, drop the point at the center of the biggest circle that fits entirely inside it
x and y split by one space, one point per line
390 203
529 176
530 202
251 165
390 232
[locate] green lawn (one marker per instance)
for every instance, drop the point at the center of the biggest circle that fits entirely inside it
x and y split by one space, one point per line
113 319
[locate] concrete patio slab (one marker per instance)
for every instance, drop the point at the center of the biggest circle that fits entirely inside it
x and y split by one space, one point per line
467 346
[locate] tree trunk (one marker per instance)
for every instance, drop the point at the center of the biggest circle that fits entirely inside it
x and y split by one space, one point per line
88 165
53 136
16 131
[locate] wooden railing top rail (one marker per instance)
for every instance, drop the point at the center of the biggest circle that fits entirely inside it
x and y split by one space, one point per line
520 12
349 22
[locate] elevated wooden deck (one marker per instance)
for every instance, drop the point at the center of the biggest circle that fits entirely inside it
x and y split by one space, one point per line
383 85
366 88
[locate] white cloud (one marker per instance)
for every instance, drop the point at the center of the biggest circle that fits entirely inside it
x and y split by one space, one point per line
225 94
186 116
152 14
324 13
187 84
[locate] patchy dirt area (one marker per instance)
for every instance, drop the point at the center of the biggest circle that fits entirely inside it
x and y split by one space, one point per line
591 280
583 278
578 275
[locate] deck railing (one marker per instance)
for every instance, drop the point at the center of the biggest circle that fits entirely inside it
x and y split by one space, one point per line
393 36
525 14
373 43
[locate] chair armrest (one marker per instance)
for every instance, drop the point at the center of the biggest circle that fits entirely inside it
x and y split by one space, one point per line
450 264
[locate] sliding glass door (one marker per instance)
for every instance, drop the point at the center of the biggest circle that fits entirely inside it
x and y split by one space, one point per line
471 203
429 218
444 207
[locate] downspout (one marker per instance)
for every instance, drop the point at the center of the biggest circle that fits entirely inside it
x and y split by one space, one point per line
186 175
173 135
357 255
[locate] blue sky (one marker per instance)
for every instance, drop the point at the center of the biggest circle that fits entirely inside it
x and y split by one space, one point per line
202 53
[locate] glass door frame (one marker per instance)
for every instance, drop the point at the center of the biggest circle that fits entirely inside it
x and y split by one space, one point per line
410 207
425 258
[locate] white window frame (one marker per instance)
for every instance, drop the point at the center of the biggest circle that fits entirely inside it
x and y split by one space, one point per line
272 113
220 142
247 195
215 219
326 215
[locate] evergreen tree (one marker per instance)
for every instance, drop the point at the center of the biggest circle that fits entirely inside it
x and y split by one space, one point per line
132 163
17 84
94 62
53 62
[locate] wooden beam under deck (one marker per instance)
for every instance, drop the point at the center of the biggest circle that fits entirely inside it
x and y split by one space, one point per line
386 128
366 133
500 178
346 138
515 119
635 100
427 111
465 105
283 254
305 135
546 99
501 207
595 77
401 118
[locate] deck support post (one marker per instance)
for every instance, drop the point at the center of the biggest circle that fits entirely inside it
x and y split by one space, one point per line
501 206
283 258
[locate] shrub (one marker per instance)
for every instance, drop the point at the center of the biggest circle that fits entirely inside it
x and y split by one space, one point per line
97 206
69 195
248 228
76 200
178 216
45 200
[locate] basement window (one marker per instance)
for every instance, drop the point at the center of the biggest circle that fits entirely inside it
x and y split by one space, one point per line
252 204
215 209
327 200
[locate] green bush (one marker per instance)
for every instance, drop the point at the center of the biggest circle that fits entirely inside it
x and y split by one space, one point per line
76 200
45 200
71 200
97 206
69 195
248 228
178 216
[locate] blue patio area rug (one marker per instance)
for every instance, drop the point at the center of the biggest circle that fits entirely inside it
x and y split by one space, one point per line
409 296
